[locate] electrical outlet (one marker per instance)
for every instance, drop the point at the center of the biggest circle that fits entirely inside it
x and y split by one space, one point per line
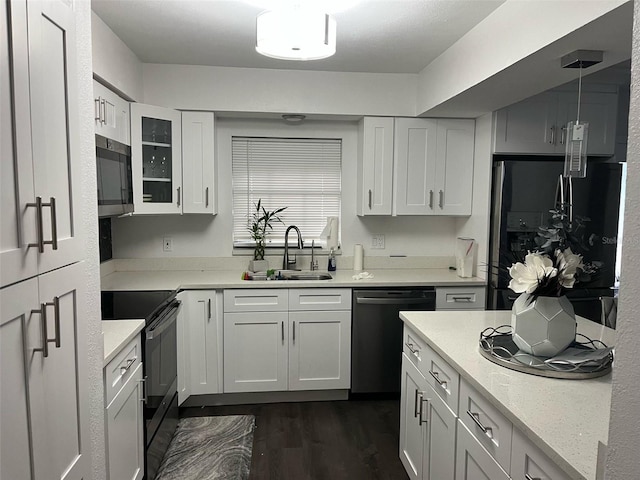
377 241
167 244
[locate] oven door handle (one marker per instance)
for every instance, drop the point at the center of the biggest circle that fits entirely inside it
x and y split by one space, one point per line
165 322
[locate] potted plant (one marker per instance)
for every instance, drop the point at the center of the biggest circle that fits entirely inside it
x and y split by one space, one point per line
259 226
542 317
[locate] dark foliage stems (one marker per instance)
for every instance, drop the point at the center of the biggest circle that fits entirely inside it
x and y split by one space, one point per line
260 225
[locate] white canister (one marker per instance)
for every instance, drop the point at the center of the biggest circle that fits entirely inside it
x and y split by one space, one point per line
358 256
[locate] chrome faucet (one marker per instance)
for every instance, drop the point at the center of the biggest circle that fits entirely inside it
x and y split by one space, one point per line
287 263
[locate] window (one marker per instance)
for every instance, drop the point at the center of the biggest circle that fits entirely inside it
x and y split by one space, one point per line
303 175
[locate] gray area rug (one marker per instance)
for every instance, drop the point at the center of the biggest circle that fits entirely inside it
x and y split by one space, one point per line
207 448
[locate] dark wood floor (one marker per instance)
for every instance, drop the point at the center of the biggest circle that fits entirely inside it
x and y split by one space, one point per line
354 440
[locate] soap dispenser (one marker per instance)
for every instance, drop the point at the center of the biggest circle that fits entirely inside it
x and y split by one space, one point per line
332 261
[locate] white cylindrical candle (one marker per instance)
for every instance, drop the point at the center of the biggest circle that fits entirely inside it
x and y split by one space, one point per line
358 256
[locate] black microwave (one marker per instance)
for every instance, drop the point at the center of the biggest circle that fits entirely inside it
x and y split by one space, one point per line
113 168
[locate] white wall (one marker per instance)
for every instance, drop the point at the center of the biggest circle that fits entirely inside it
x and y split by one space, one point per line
225 89
206 236
89 226
623 461
114 62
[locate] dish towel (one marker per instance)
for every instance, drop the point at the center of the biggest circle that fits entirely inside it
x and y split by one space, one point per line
362 276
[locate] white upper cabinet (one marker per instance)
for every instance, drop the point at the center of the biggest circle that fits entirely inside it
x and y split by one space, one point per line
156 152
415 166
538 124
454 167
198 173
375 166
111 114
173 161
433 166
40 131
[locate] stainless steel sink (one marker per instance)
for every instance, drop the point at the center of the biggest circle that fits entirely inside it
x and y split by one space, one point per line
295 275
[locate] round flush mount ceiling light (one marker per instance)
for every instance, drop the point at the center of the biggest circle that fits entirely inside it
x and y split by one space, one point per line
296 33
293 118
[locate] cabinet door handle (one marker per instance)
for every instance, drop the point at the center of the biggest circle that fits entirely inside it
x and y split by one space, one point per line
529 477
43 330
143 381
563 135
488 431
40 241
294 331
436 375
96 109
282 328
552 139
421 420
209 309
178 195
206 197
441 199
431 199
56 319
370 199
415 402
126 367
103 111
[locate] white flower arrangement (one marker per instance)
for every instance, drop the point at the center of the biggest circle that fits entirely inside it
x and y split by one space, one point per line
544 274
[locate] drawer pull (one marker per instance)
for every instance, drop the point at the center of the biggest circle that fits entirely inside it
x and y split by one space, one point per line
420 419
442 383
488 431
413 350
529 477
126 367
462 299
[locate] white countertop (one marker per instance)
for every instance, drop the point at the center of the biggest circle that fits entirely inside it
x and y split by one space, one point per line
117 334
564 418
213 279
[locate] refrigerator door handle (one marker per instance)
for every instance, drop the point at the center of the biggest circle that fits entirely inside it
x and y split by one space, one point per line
570 200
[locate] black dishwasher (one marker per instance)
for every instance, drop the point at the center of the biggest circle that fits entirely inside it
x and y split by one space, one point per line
376 337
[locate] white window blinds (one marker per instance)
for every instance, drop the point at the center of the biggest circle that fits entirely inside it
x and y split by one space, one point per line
303 175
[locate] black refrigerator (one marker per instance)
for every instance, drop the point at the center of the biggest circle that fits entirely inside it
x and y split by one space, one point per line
524 190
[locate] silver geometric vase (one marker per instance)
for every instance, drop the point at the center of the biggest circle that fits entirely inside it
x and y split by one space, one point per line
543 326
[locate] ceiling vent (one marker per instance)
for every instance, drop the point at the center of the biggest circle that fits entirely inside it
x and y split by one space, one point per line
581 59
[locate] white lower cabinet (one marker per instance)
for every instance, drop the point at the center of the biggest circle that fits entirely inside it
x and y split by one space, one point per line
473 462
528 462
199 343
124 426
43 398
280 340
255 351
427 428
448 430
319 350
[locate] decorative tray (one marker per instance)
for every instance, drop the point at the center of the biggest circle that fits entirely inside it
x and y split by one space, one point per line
584 358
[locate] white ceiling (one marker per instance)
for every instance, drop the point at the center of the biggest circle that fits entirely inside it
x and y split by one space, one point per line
376 36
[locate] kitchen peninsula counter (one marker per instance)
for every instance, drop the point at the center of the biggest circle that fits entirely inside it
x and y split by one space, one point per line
221 279
564 418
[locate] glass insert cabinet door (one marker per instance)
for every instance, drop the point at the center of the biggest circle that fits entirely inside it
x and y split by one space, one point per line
156 159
